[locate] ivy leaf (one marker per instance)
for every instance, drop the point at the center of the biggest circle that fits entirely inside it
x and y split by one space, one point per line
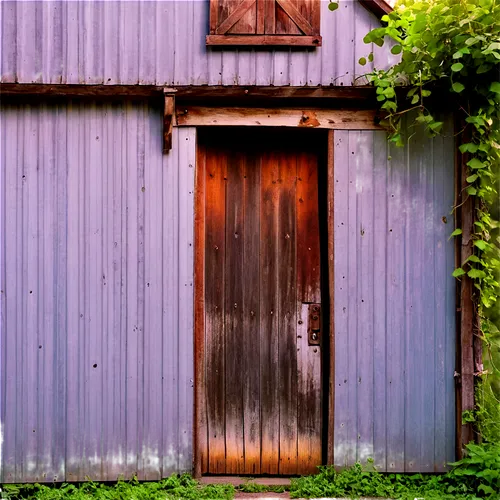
475 163
472 178
362 61
457 87
473 258
481 244
457 232
457 67
415 99
484 68
370 56
396 49
333 6
468 147
436 126
471 41
458 272
389 92
476 273
486 489
459 53
471 190
495 87
390 106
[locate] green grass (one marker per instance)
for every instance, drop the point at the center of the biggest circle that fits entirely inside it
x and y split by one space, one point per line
356 482
173 488
477 476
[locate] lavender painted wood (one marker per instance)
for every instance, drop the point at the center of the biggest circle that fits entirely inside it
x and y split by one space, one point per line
97 368
394 301
162 42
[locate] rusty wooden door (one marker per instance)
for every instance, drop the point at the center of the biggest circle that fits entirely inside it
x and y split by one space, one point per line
260 408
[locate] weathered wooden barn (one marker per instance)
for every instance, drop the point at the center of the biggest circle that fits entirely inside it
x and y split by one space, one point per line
211 259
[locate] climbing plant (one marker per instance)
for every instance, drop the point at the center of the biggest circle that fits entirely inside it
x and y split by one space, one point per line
449 50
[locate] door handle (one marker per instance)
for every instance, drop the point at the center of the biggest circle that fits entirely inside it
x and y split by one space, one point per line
314 324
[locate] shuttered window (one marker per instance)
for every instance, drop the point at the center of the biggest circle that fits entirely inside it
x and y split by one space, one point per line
264 22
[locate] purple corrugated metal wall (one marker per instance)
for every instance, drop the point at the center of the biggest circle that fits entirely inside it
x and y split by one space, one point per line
97 314
394 301
163 42
96 278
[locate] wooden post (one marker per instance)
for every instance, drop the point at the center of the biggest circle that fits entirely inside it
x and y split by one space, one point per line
168 120
468 316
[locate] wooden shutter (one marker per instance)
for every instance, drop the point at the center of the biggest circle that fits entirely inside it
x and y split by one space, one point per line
264 22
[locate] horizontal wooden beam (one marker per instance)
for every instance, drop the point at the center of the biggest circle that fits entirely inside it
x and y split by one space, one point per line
340 119
360 93
287 40
192 92
73 90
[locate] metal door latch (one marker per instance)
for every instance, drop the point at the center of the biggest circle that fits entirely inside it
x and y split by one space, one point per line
314 324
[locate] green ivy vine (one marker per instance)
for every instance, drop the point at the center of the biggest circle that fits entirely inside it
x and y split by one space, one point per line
451 49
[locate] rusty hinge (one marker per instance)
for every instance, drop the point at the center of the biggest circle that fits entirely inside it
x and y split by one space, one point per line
314 324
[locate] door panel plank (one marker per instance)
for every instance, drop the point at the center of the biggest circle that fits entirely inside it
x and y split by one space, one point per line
235 378
201 423
250 344
269 16
287 313
214 308
309 404
269 314
308 255
308 291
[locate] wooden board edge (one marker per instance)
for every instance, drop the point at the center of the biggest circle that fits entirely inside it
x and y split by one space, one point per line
275 40
311 118
199 305
331 289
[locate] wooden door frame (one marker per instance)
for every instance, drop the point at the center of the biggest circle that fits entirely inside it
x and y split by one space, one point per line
199 306
330 163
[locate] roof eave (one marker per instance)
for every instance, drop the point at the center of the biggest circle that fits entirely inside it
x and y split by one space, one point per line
378 7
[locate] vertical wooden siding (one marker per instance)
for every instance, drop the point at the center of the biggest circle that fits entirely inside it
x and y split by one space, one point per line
394 301
163 42
96 304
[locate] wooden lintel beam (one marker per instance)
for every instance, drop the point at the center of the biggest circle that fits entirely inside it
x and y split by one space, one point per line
340 119
168 121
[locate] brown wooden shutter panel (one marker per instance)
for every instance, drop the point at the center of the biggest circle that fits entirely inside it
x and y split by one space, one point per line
264 22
